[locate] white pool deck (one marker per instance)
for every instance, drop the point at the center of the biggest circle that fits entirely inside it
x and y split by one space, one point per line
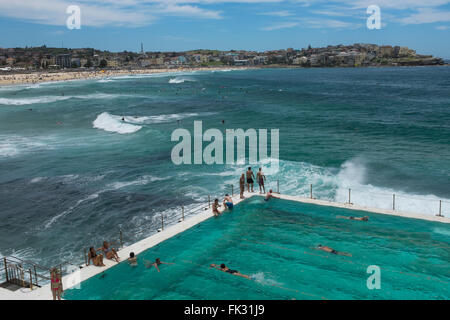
76 278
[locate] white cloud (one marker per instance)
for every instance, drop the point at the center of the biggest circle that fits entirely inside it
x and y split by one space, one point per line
282 13
125 13
427 15
284 25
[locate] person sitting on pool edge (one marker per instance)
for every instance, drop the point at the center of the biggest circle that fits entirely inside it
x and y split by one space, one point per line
331 250
155 264
97 259
132 260
215 207
109 253
270 195
228 202
224 268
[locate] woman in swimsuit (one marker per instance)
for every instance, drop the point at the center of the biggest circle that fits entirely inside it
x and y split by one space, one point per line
109 253
97 259
215 207
224 268
56 284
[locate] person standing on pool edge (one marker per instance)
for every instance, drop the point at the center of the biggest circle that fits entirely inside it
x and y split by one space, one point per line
250 177
261 178
242 185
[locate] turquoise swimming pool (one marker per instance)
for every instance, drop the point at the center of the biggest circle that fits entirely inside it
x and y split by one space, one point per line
274 242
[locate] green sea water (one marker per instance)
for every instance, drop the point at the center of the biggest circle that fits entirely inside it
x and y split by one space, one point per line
72 173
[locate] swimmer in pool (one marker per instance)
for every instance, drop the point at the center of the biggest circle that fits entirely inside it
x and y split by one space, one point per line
155 264
224 268
365 218
270 195
331 250
132 260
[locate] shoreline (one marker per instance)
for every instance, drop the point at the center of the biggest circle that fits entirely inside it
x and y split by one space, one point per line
17 79
60 76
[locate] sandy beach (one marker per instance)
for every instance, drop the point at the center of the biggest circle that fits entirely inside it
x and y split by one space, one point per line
39 77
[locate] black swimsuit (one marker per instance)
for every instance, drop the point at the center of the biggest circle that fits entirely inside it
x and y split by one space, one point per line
232 271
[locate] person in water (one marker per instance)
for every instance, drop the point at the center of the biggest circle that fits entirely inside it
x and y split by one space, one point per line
132 260
56 283
97 259
215 207
365 218
224 268
242 185
109 253
155 264
260 177
250 177
331 250
270 195
228 202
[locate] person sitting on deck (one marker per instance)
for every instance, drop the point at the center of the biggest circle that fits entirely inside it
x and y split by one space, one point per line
224 268
228 202
56 284
270 195
331 250
97 259
132 260
155 264
215 207
110 253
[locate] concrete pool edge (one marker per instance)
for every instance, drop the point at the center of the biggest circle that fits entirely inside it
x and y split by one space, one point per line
72 280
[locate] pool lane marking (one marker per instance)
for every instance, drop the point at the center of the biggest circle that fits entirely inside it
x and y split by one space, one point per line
273 285
345 260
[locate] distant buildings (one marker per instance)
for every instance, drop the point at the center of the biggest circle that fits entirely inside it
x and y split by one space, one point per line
356 55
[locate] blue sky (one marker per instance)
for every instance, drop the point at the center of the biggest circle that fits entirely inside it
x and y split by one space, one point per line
164 25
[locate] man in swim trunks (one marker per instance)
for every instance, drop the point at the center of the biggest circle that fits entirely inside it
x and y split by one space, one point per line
260 177
228 202
242 185
215 207
331 250
224 268
250 177
270 195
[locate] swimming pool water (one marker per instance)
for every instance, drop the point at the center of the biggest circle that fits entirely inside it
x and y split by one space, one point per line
274 243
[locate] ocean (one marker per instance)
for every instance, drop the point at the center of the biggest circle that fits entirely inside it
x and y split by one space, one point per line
72 173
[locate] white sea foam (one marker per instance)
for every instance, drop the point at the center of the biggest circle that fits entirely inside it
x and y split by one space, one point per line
177 80
111 123
13 145
110 187
50 99
35 100
66 212
139 182
333 184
